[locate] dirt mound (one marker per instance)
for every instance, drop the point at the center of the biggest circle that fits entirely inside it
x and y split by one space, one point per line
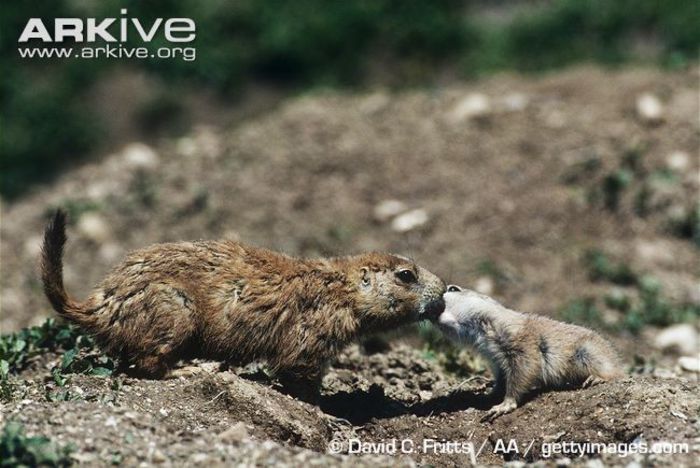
223 417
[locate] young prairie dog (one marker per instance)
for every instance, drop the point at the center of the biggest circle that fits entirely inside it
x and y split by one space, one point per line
526 351
227 301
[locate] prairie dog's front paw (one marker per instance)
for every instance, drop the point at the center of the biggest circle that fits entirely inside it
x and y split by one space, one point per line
508 405
592 381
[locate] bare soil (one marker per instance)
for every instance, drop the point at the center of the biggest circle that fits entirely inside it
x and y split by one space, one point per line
510 195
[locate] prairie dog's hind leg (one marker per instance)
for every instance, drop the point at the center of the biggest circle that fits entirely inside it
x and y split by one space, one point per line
303 383
156 331
595 365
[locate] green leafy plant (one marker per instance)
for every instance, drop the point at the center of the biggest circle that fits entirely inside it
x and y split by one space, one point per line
582 311
687 225
645 306
76 362
601 268
17 449
80 356
16 349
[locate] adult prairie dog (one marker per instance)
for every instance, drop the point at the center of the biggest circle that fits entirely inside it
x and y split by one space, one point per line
235 303
526 351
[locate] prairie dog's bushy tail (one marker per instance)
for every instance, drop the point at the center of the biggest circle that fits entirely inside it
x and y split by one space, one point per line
52 268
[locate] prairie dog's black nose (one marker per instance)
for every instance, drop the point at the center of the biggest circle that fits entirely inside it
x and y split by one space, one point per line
433 309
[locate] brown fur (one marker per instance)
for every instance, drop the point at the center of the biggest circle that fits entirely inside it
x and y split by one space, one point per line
526 351
228 301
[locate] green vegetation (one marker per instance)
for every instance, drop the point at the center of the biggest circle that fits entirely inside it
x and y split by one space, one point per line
601 268
687 225
19 450
47 124
456 360
583 311
80 355
18 348
643 304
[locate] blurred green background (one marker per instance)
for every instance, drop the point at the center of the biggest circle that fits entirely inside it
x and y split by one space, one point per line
48 124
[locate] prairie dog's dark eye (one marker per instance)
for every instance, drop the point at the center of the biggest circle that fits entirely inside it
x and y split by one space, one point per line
407 276
453 288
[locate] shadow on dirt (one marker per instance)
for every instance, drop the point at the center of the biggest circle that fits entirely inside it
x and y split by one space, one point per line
360 406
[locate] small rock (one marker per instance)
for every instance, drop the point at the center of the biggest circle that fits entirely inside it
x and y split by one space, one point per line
82 457
473 106
163 412
515 102
387 209
110 252
484 285
682 338
410 220
94 227
235 433
158 457
374 103
655 251
678 161
140 156
32 246
649 108
690 364
199 457
662 373
186 146
111 422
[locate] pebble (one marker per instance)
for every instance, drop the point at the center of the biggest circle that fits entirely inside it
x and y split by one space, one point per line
678 161
682 337
515 102
473 106
83 457
199 457
387 209
110 252
690 364
186 146
235 433
158 457
94 227
140 156
32 246
484 285
649 108
374 103
410 220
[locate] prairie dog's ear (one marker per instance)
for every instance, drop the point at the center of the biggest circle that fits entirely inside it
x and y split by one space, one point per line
365 278
453 288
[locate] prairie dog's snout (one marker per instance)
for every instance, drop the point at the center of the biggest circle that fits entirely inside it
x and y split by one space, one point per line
434 308
447 320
